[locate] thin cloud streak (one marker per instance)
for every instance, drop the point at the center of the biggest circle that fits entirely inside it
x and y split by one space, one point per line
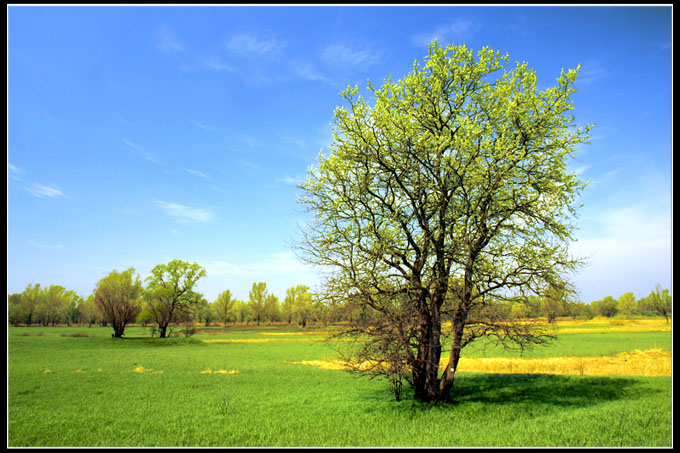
166 42
185 213
141 151
43 191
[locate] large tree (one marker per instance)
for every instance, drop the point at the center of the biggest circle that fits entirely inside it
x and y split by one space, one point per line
117 296
169 293
448 195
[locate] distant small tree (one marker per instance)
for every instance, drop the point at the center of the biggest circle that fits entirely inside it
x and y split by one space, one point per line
118 298
31 298
73 314
661 302
553 303
256 302
53 305
13 308
242 312
272 311
301 303
89 312
202 311
579 310
626 304
607 307
519 310
170 294
223 306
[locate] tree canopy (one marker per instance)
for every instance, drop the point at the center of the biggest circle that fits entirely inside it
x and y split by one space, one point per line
170 291
448 194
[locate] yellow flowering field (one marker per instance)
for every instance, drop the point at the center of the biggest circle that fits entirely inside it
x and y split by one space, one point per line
653 362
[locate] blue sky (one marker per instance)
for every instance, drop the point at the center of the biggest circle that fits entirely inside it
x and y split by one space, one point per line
137 135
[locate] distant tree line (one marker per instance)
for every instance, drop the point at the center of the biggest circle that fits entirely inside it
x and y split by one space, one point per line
168 302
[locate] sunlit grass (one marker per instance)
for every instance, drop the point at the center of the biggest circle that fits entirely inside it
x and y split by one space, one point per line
254 396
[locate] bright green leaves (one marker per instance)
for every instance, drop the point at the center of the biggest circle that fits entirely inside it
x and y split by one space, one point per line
464 157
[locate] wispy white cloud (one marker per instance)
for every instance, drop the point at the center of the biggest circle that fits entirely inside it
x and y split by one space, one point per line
205 127
166 42
185 213
262 43
51 118
308 71
215 64
276 263
15 173
43 191
590 73
661 46
44 246
452 32
292 180
141 151
352 55
199 174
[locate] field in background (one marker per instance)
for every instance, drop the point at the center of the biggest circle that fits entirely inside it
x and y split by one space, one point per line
241 386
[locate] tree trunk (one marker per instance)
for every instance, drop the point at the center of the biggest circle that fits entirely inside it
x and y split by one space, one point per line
162 330
426 371
446 383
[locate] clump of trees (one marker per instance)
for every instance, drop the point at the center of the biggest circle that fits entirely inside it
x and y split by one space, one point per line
45 306
168 301
300 306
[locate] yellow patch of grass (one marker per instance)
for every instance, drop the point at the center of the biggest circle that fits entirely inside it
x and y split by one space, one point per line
208 371
47 372
227 372
599 324
333 364
141 369
653 362
259 340
311 332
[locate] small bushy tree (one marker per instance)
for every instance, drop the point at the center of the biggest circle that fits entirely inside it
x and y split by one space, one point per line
169 294
117 296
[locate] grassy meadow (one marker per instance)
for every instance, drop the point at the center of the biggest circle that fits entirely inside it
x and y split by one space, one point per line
249 386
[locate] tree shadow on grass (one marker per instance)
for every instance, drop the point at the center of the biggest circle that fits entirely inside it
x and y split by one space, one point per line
545 389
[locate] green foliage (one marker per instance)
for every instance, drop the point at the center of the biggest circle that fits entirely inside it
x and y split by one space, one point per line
626 304
223 307
299 304
169 293
117 296
257 297
661 302
456 179
606 307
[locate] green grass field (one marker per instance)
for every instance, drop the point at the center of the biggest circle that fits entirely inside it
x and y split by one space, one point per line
92 397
